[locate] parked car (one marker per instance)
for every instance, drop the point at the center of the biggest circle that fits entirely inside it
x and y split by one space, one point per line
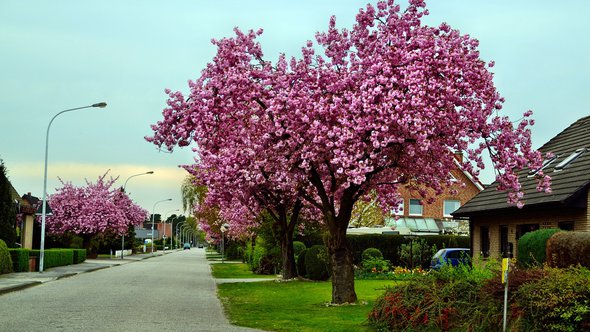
187 246
451 256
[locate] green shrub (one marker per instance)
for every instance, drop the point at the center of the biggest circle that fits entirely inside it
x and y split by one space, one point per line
569 248
416 253
371 253
79 256
248 253
20 259
298 247
301 263
558 302
258 253
5 259
532 247
316 263
233 250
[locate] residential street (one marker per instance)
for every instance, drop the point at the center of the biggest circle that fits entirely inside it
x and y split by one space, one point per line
174 292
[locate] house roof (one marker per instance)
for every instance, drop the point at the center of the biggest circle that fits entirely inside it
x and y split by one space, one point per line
567 184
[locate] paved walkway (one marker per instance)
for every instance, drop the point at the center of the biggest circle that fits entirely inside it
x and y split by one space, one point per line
16 281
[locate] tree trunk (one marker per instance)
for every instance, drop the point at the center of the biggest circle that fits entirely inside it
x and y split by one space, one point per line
288 256
91 251
342 268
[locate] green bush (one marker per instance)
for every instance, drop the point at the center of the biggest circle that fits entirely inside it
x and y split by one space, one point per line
248 253
371 253
569 248
316 263
532 247
55 257
301 263
20 259
298 247
79 256
416 253
558 302
5 259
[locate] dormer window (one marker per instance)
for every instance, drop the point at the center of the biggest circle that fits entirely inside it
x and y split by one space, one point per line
546 163
569 159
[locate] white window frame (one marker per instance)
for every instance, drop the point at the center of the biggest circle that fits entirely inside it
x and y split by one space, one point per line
448 215
570 159
410 213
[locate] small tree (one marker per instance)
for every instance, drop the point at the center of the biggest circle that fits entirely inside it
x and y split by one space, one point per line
7 209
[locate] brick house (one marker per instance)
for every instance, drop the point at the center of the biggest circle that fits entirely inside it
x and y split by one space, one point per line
419 217
496 226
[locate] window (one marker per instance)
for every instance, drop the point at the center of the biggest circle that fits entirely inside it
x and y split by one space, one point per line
566 225
450 206
400 209
569 159
546 163
484 241
416 207
525 228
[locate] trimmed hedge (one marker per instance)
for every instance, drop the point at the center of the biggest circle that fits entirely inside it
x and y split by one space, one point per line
371 253
389 244
20 259
298 247
79 255
569 248
5 259
532 247
55 257
316 263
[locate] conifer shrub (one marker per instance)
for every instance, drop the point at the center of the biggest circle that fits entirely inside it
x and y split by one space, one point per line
79 256
316 263
301 263
5 259
532 247
20 259
569 248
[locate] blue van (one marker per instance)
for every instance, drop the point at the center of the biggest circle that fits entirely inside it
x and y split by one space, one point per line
451 256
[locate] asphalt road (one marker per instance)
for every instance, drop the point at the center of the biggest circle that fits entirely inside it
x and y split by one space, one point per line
174 292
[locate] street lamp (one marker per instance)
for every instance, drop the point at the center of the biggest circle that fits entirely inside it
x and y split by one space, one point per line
124 187
44 207
183 232
154 211
175 231
164 237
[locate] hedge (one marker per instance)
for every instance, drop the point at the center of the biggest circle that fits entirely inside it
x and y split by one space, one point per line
532 247
301 263
5 259
20 259
569 248
389 244
55 257
79 255
317 263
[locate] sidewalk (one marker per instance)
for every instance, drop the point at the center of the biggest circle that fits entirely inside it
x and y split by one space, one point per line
11 282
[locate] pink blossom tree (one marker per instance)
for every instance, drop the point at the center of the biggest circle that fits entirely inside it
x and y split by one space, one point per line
95 209
384 106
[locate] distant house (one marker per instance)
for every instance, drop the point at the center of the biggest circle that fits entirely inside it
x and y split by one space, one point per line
496 226
416 216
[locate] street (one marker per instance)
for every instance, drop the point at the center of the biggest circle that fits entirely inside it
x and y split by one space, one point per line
174 292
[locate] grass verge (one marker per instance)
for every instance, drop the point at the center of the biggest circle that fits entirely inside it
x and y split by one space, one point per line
297 305
234 270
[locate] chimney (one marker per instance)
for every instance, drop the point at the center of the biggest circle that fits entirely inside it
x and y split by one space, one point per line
459 156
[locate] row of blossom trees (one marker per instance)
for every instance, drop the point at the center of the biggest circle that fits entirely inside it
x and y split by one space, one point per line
366 110
95 209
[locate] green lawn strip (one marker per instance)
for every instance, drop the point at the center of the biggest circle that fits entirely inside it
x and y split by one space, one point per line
297 305
234 270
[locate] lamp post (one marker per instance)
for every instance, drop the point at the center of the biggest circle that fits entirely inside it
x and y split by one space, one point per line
164 237
183 233
154 211
44 203
124 187
176 231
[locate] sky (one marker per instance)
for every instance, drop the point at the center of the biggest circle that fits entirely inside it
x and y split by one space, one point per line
57 55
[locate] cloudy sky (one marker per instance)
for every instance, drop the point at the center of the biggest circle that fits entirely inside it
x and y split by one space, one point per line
57 55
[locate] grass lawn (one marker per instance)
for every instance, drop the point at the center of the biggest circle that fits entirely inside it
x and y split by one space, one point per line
234 270
297 305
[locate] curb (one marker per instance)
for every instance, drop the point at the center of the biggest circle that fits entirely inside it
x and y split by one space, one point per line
19 287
